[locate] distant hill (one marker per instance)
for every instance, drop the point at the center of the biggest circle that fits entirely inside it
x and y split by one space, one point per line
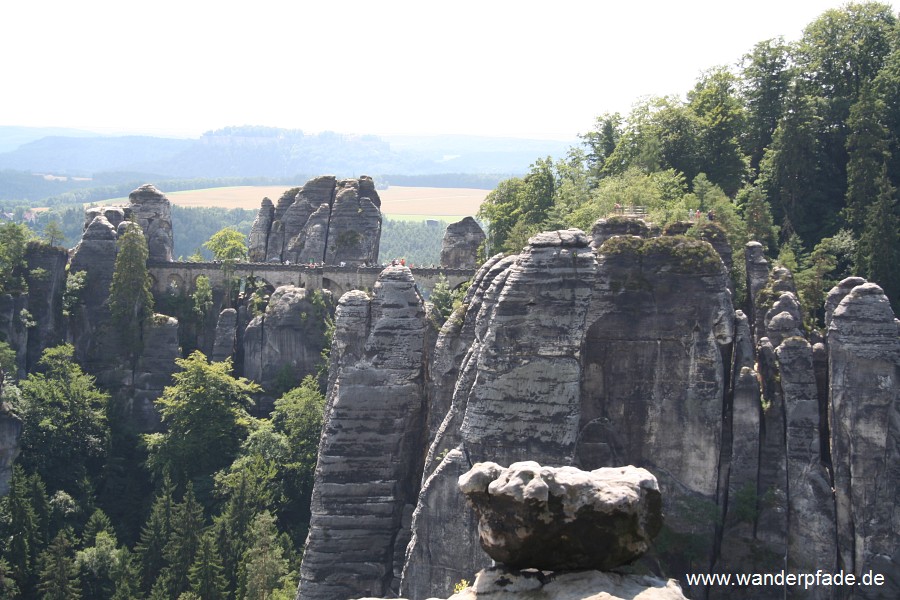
268 152
12 136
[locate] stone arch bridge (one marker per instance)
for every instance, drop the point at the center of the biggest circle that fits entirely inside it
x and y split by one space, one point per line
182 276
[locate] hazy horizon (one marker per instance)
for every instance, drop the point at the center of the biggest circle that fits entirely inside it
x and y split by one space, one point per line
499 69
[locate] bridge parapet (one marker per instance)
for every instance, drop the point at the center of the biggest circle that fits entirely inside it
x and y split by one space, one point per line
182 276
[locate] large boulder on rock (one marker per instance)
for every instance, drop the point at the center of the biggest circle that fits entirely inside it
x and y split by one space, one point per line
563 518
459 248
153 212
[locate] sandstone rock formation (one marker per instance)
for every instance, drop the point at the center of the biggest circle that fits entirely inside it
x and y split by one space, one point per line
284 344
459 248
226 335
152 372
630 352
153 212
46 277
864 370
368 471
96 348
563 519
324 221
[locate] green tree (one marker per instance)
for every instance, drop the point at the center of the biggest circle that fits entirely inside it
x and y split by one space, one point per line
180 552
205 416
65 436
758 217
130 298
601 142
442 297
878 256
155 535
789 172
867 146
202 297
96 524
59 578
263 566
231 527
766 75
96 566
14 238
228 245
9 590
53 233
298 415
21 529
715 102
207 577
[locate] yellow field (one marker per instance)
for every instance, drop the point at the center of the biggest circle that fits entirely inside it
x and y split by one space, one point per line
406 201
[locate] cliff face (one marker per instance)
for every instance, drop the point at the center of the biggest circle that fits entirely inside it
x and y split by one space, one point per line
628 350
283 344
864 370
326 220
370 452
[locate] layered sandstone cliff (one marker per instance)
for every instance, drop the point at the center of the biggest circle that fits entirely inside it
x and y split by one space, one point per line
326 220
628 350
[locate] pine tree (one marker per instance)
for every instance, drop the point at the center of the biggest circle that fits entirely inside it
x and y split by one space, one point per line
22 531
155 536
263 566
208 581
868 150
878 256
130 298
58 575
187 523
8 588
231 529
97 523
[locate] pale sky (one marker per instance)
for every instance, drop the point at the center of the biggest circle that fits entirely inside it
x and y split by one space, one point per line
526 69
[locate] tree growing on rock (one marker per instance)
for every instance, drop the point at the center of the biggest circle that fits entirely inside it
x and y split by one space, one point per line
130 299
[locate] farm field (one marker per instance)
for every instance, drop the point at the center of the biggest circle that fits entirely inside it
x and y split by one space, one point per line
404 203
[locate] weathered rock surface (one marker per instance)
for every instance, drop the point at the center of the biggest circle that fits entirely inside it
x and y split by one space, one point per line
284 345
114 214
810 500
10 431
96 346
528 329
631 353
259 232
370 454
563 518
226 335
46 278
153 212
153 371
324 221
354 230
499 583
459 248
864 370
